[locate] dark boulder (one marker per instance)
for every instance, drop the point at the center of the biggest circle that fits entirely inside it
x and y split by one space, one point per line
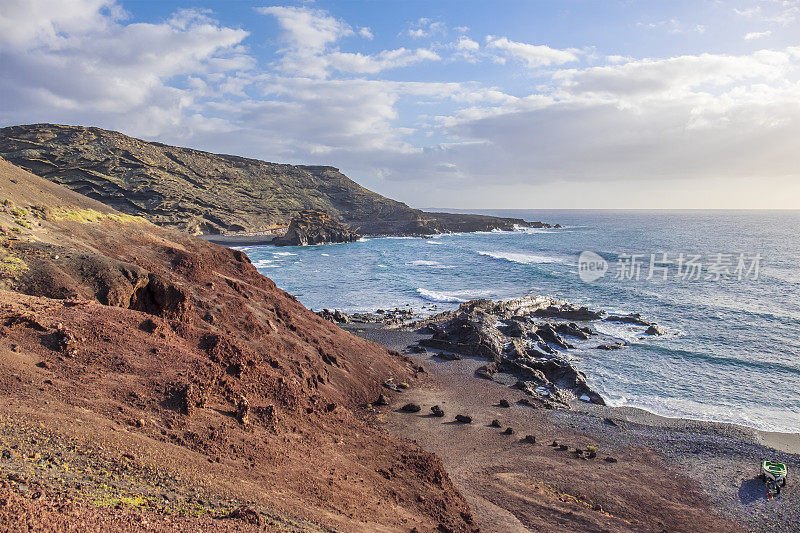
437 411
487 371
568 312
382 400
505 404
618 345
549 334
447 356
315 227
530 439
632 318
654 330
411 408
464 419
337 317
470 335
573 330
495 423
516 328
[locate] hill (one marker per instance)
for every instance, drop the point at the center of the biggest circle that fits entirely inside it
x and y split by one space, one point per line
205 193
153 380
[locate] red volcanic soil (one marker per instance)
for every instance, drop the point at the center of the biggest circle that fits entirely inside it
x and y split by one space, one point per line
154 380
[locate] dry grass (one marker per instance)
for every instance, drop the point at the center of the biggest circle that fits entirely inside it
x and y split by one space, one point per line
12 267
86 216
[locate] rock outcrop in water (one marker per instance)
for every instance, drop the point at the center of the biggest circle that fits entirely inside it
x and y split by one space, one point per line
515 338
527 337
211 194
315 227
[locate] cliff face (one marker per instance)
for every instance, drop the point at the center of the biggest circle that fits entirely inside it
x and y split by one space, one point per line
205 193
178 377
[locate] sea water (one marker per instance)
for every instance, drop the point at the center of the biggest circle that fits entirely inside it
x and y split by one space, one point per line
732 348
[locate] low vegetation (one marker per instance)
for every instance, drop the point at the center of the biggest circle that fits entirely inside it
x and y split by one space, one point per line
12 267
85 216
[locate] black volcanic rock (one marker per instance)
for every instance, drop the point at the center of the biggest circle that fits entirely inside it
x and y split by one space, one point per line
315 227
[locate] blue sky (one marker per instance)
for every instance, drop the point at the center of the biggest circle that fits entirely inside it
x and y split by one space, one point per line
454 104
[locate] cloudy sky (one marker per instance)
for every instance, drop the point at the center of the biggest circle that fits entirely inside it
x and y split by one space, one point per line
465 104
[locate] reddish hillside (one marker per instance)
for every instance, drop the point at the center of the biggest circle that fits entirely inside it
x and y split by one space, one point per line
148 375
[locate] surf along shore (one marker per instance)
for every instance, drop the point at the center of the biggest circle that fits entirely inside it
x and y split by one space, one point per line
540 459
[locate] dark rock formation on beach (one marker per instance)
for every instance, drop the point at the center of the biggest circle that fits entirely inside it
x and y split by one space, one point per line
315 227
515 338
337 317
210 194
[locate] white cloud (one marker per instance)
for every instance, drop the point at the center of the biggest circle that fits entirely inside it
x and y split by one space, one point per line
311 36
45 22
782 12
365 33
532 56
676 75
748 12
756 35
671 26
192 81
372 64
466 44
425 27
305 28
80 62
699 117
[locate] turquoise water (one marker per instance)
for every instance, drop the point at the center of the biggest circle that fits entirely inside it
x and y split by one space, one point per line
732 352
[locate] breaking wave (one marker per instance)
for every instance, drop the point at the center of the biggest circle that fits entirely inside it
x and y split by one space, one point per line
438 297
525 259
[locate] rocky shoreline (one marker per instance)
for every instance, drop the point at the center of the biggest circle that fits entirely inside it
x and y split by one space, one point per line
528 338
588 467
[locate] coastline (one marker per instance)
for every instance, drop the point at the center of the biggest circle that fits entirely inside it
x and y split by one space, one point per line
230 241
703 471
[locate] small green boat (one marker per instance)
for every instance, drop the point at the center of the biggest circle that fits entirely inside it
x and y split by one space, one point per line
774 475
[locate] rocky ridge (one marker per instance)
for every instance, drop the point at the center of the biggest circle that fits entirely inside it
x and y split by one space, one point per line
211 194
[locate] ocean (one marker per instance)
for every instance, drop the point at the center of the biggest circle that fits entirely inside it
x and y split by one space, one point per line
730 303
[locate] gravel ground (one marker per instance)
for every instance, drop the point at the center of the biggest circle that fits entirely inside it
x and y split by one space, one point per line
693 475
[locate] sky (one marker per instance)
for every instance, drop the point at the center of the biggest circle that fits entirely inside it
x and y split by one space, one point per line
459 104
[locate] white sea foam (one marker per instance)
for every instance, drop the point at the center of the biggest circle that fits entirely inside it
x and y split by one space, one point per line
433 242
523 229
524 259
626 332
438 297
427 263
261 263
326 255
277 254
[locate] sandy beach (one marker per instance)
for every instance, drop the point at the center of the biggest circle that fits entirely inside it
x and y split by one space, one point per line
670 474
